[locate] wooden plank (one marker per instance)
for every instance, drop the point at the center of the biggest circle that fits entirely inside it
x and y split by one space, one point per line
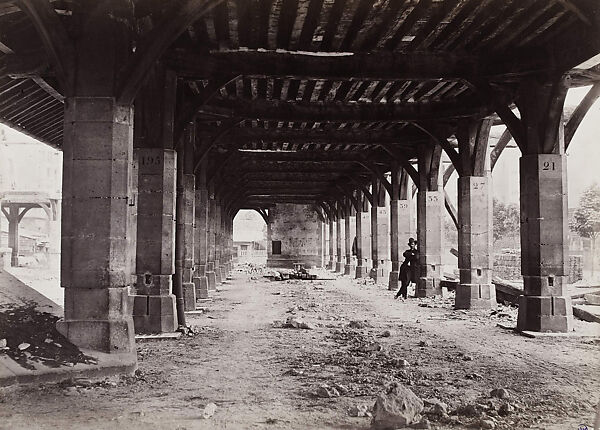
444 10
287 17
384 21
308 90
480 17
310 24
418 13
451 30
360 14
335 14
244 23
221 25
262 33
542 27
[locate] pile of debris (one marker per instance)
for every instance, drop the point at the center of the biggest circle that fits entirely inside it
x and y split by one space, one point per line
28 335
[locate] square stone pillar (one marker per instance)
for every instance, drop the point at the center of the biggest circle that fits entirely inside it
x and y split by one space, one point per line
374 272
430 206
200 244
210 265
189 206
400 232
218 241
339 244
97 154
332 245
383 244
545 305
349 228
475 239
363 244
154 303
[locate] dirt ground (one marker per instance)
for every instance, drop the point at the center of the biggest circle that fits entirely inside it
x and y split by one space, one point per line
261 375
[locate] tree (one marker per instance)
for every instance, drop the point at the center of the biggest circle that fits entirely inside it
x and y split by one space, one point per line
586 218
506 219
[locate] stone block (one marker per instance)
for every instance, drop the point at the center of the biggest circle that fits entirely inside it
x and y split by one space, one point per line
475 296
151 284
106 335
394 281
545 314
349 269
201 284
362 272
212 280
160 316
427 287
189 296
544 285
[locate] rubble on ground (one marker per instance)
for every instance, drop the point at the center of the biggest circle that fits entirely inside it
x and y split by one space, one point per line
396 407
30 337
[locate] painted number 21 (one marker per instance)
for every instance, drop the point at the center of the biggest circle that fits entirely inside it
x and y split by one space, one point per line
548 165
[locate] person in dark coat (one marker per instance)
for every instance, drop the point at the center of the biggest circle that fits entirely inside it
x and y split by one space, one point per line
409 268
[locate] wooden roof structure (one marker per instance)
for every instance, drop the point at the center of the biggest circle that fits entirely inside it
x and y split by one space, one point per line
296 99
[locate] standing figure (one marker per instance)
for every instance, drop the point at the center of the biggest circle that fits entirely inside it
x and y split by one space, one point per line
409 268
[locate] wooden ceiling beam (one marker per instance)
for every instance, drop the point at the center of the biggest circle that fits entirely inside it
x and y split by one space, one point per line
346 112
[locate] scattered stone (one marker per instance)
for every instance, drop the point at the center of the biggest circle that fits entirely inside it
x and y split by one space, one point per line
399 362
423 424
473 376
293 322
396 407
326 391
359 411
375 346
2 343
357 324
500 393
506 409
342 389
23 346
209 410
469 410
486 424
294 372
424 343
48 340
71 391
467 358
386 333
439 409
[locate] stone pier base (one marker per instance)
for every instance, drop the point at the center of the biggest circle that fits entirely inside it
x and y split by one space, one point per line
154 314
189 296
427 287
349 269
475 296
394 281
545 314
362 272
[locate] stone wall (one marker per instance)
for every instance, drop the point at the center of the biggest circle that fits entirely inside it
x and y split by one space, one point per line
507 265
300 233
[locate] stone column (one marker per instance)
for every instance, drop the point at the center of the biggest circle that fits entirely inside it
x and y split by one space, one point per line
374 273
201 247
400 223
210 265
218 240
383 243
363 242
430 206
154 303
350 266
545 305
429 236
332 245
189 195
340 240
475 239
97 153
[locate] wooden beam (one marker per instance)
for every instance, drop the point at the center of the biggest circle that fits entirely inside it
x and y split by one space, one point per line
54 38
579 113
276 110
375 65
176 21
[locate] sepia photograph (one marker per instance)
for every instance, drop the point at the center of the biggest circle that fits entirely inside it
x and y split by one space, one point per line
299 214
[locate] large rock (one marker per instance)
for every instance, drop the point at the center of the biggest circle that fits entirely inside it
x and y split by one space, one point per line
395 408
